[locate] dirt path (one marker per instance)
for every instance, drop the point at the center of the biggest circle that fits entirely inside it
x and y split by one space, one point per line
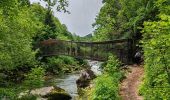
129 86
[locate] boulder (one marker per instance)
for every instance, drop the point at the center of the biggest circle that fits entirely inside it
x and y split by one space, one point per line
42 91
48 93
85 77
58 94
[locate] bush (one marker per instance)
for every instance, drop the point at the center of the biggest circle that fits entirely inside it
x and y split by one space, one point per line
107 85
61 64
112 67
156 45
54 64
106 88
68 60
8 93
35 78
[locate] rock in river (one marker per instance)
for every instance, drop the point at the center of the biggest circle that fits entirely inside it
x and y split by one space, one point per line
85 77
50 93
58 94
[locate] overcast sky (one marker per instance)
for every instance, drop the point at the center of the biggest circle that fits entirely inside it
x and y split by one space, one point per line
83 13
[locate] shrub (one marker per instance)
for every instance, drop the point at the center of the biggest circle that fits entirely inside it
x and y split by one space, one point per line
156 45
68 60
106 88
8 93
54 64
107 85
61 64
112 67
35 78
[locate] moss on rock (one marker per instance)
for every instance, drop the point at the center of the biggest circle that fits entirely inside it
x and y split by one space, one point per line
58 94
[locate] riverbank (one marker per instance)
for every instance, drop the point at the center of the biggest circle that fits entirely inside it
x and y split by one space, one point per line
66 81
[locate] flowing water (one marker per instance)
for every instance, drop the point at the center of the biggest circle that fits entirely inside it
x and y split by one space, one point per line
68 82
95 66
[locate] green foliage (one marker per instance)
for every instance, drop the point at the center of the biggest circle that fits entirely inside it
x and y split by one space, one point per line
21 25
107 85
61 64
122 18
24 2
68 60
49 21
17 32
52 28
16 39
126 19
54 65
12 94
9 93
35 78
61 4
87 38
105 21
156 45
112 66
106 88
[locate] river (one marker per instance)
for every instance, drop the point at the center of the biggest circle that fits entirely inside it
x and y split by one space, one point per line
68 82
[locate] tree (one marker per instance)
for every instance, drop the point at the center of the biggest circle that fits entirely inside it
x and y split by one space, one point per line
122 18
61 4
20 24
24 2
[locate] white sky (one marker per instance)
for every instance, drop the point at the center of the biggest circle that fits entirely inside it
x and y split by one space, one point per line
83 13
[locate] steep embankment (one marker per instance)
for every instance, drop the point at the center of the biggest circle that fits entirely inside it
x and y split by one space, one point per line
129 86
